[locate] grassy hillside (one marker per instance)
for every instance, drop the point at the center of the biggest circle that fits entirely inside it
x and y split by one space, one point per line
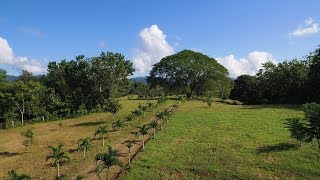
227 142
13 154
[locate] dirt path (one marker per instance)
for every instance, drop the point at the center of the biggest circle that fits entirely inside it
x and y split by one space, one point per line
115 172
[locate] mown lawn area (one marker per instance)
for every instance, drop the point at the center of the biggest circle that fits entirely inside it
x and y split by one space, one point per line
227 142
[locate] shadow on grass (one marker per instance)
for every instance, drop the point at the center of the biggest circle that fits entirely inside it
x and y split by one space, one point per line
277 148
296 107
8 154
72 151
88 124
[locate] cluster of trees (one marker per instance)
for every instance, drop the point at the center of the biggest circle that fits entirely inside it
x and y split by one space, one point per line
70 88
292 82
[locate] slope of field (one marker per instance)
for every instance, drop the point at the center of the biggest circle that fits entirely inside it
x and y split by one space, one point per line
227 142
14 156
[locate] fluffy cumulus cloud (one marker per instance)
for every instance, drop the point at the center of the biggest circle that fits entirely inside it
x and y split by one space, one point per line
7 57
249 65
153 47
309 27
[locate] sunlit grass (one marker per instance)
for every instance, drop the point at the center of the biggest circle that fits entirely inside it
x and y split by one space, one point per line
227 141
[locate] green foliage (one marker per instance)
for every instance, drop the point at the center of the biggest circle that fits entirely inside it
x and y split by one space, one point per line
297 129
117 125
107 160
208 100
29 138
84 145
143 130
308 128
162 100
59 157
290 82
137 113
186 72
102 130
13 175
113 106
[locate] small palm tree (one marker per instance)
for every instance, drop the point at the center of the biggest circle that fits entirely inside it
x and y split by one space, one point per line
107 160
59 157
129 144
29 135
84 144
13 175
150 105
137 112
117 125
154 125
143 130
167 114
160 117
102 130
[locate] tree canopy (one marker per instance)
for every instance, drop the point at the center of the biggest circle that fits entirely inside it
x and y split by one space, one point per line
186 72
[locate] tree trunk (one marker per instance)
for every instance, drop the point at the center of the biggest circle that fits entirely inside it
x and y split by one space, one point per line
129 158
108 174
84 152
154 133
42 118
22 120
143 142
58 170
102 140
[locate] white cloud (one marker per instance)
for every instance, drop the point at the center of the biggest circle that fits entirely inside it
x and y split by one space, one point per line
7 57
6 53
153 47
249 65
310 27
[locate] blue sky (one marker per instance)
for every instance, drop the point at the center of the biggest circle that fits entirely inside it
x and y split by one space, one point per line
239 34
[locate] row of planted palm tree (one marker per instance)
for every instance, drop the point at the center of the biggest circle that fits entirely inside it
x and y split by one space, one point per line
110 158
84 144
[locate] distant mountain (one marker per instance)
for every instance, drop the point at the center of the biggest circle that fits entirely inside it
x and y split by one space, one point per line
142 79
11 78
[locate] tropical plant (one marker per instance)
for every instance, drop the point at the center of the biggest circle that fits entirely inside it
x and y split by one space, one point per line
13 175
102 130
129 144
297 129
143 130
160 117
107 160
29 135
208 100
154 125
59 157
84 145
137 112
117 125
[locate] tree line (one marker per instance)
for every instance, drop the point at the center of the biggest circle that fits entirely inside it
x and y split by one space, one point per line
289 82
70 88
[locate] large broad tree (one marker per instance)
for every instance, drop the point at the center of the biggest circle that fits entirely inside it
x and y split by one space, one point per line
186 72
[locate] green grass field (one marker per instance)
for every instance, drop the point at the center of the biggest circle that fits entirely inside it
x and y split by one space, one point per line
220 142
227 142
